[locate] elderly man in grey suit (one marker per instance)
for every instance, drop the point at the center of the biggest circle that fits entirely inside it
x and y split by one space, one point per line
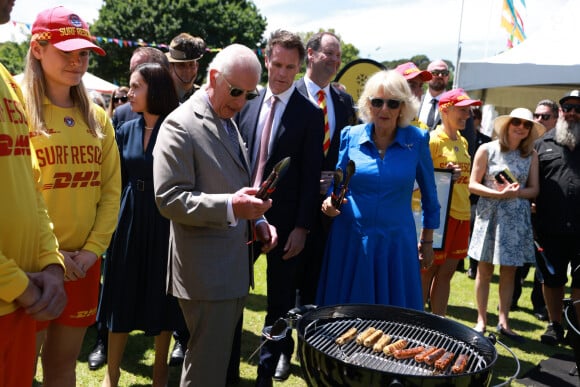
201 179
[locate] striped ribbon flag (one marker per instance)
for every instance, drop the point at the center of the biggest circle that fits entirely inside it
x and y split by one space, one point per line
512 20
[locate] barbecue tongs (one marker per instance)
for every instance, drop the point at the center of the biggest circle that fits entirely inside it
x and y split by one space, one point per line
269 185
339 192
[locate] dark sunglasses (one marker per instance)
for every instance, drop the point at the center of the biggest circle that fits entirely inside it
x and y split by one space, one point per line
236 91
379 102
542 116
440 73
120 99
517 122
568 107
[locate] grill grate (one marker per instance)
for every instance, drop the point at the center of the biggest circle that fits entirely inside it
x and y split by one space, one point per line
322 336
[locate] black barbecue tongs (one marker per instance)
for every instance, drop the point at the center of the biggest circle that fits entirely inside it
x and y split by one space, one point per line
269 185
339 191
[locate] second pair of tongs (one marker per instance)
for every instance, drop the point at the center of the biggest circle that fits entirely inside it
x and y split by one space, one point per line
341 185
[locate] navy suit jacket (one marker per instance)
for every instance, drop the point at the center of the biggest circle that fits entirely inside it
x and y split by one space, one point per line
344 115
123 114
299 135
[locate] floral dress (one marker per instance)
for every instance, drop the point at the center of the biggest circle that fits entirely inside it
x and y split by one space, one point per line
502 232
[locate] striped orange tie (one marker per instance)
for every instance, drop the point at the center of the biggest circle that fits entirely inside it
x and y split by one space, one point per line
322 105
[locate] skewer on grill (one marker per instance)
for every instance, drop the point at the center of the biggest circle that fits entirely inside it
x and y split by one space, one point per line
383 341
399 344
460 364
346 336
366 333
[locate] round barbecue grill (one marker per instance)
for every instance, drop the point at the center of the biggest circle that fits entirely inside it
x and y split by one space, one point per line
326 363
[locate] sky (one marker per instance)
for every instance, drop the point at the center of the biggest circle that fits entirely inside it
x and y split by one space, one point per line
382 30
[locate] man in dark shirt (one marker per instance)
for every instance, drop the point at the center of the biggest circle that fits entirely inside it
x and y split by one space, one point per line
558 210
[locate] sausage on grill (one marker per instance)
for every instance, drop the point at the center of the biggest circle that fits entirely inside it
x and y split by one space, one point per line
460 364
443 362
372 339
420 358
408 353
346 336
364 334
433 356
379 345
399 344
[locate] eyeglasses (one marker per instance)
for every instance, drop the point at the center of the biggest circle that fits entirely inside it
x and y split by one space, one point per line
236 91
120 99
543 117
440 73
517 122
379 102
568 107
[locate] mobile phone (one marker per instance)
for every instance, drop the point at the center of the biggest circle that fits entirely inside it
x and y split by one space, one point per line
507 175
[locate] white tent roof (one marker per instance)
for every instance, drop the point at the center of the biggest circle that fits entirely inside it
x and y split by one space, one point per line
91 82
545 65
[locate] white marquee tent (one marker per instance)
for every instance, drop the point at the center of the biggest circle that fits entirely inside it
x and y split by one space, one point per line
546 65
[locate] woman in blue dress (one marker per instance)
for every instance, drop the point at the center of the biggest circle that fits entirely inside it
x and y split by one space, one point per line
134 291
372 255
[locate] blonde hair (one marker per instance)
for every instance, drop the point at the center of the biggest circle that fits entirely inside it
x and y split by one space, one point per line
526 146
389 82
34 89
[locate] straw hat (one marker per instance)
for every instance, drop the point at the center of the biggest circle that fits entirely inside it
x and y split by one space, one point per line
501 122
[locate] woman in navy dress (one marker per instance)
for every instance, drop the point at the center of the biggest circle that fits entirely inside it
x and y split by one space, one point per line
372 255
134 291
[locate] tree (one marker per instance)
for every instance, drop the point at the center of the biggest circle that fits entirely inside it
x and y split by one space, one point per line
218 22
13 55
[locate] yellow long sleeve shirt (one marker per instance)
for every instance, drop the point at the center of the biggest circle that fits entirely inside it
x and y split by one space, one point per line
27 241
81 178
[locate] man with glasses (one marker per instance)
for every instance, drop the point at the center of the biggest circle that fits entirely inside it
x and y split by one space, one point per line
558 211
184 52
428 112
547 113
283 123
201 177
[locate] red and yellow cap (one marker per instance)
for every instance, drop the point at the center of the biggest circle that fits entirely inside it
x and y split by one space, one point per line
457 97
64 29
409 70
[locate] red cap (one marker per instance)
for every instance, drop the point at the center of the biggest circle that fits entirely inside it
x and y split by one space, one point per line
410 71
457 97
64 29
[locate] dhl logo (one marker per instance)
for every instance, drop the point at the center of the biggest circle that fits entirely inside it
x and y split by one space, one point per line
17 147
74 180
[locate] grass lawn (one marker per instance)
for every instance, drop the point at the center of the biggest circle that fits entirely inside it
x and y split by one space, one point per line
139 354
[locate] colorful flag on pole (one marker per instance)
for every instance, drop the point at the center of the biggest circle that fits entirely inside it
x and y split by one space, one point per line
512 20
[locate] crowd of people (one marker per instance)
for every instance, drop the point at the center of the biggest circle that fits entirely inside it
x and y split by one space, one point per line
162 187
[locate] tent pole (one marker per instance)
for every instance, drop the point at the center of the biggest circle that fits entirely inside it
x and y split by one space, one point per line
456 77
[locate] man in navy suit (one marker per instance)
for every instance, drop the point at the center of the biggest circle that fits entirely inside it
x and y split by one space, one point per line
323 59
295 130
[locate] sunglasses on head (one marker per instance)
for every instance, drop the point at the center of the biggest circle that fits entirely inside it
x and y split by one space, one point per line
568 107
379 102
517 122
120 99
236 91
440 73
543 117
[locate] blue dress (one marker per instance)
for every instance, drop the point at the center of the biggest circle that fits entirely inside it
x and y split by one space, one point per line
371 255
502 231
133 296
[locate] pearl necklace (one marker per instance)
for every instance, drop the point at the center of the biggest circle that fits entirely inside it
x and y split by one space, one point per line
148 128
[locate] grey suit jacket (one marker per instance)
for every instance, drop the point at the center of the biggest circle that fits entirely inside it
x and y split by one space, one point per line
196 169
